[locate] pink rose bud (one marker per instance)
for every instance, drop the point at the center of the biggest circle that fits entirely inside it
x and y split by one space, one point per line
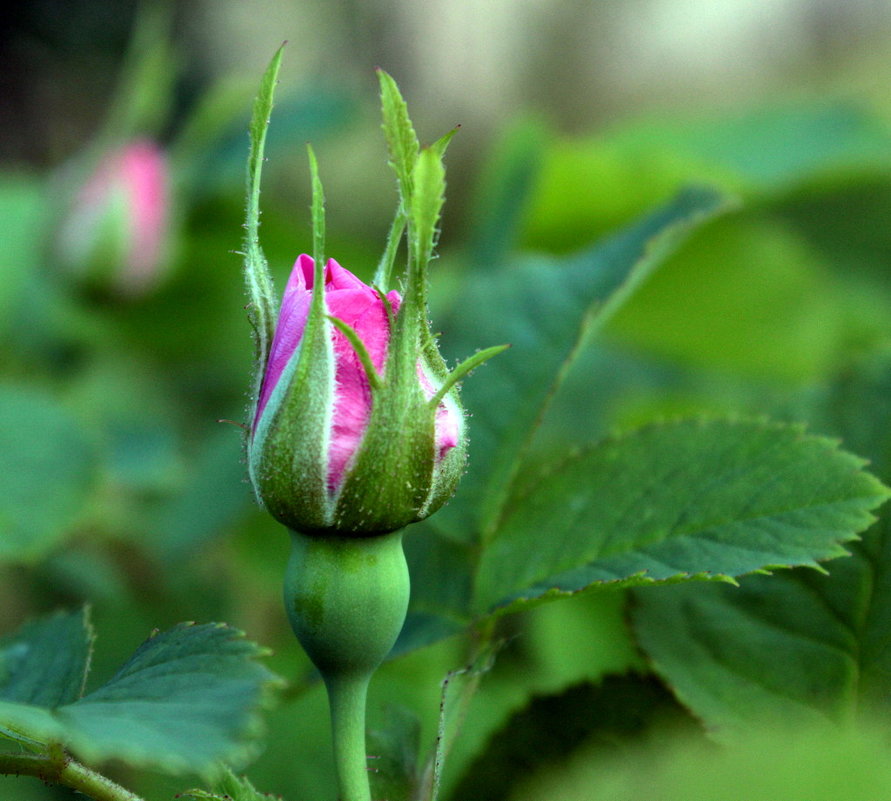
116 233
346 435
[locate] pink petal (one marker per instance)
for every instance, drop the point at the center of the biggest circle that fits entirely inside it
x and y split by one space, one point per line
289 328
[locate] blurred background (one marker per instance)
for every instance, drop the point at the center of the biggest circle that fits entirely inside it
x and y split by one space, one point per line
123 339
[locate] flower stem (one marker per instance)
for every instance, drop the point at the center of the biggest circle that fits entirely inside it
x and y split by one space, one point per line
59 768
346 697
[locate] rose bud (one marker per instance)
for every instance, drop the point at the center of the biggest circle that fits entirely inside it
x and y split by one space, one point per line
351 433
115 235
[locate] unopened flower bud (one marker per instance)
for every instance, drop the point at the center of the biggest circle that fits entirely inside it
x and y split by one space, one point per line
115 235
347 435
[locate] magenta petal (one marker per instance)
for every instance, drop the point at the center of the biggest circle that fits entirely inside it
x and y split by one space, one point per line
289 328
364 311
337 278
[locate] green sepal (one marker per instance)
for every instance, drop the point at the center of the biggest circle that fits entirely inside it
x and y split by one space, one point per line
288 455
402 141
392 473
318 215
442 144
374 380
464 369
261 294
451 467
424 210
383 276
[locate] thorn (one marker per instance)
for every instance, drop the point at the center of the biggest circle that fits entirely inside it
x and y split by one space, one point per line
242 426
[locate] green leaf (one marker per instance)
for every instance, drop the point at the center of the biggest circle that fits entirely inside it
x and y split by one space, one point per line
545 309
45 662
800 647
48 466
187 699
437 608
689 500
256 270
402 141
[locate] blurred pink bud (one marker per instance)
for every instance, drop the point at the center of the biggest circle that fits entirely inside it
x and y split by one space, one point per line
116 233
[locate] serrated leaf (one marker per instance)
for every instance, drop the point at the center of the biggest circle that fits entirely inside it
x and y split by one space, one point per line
799 647
48 466
186 699
256 271
45 662
544 309
688 500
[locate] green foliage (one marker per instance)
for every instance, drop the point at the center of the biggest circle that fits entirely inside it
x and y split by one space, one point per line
800 647
187 698
49 466
45 662
709 500
548 309
118 487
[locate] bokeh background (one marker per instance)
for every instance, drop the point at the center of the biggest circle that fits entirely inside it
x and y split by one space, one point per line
122 489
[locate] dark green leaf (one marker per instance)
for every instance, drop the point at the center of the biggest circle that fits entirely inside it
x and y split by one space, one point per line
689 500
23 210
213 497
45 662
185 700
801 646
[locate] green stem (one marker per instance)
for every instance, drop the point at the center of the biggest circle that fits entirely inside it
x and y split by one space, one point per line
59 768
347 699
